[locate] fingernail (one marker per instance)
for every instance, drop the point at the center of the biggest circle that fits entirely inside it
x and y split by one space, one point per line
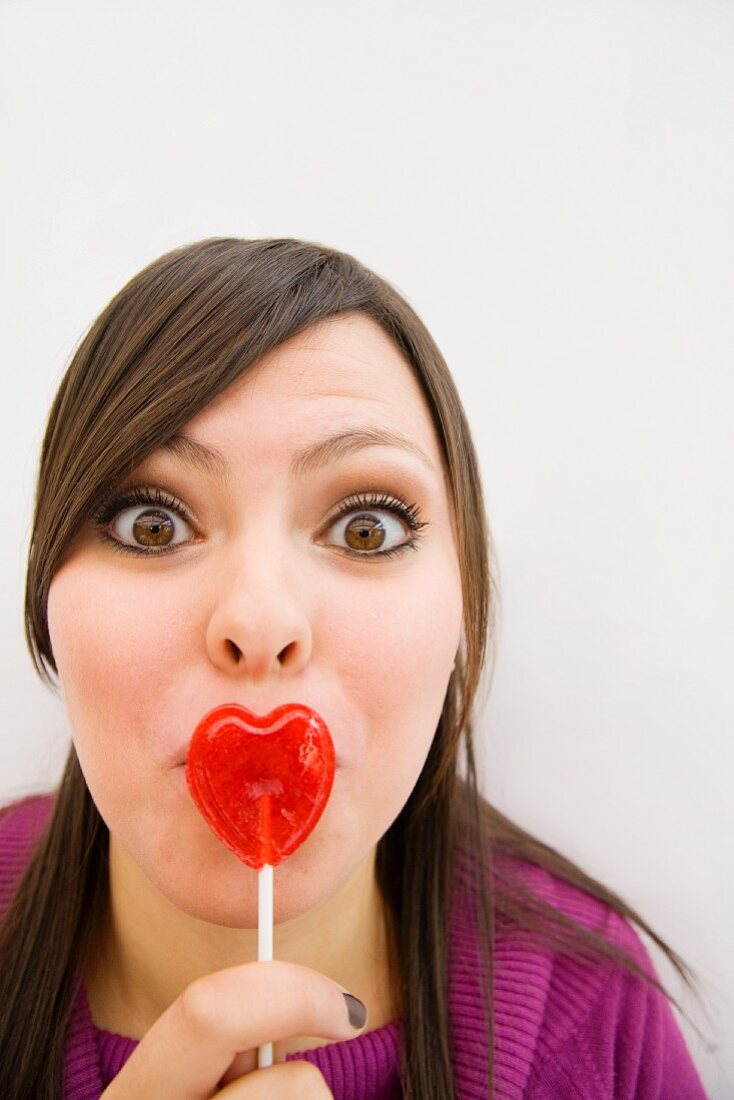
357 1011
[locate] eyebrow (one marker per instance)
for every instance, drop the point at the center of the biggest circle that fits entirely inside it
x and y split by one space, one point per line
347 442
309 458
197 454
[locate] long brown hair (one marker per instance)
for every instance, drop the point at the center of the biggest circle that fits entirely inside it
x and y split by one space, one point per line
180 332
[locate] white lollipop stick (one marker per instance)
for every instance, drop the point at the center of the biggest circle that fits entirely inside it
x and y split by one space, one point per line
265 942
265 919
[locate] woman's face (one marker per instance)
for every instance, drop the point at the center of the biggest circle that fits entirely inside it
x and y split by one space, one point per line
251 579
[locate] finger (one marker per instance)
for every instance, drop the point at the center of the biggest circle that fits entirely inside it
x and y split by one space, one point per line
187 1051
295 1081
246 1061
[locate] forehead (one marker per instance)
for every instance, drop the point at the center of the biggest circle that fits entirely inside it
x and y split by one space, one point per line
345 370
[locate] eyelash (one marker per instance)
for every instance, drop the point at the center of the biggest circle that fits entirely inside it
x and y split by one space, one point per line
117 502
364 502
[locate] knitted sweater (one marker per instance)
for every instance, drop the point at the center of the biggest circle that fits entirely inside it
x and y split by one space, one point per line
565 1029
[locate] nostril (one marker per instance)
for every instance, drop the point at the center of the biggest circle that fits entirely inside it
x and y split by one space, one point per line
234 650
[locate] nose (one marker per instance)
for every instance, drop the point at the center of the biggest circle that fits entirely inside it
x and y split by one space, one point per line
259 626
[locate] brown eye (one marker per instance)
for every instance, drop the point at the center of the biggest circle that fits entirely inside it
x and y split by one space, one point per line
154 528
369 534
365 533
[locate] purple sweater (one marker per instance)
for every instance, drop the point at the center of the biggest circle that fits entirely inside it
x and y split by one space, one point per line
565 1029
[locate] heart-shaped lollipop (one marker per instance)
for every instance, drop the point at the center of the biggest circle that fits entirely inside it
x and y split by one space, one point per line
261 782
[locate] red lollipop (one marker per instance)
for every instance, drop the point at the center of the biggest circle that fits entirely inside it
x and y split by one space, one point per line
261 782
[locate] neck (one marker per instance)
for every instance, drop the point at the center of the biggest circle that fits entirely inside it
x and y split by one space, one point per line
130 981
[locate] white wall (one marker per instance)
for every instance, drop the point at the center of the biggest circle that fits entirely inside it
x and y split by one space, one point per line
551 186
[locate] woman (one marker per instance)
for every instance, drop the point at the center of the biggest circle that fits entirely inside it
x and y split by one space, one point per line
257 485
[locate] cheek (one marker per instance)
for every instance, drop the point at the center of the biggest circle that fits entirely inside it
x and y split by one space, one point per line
111 650
397 650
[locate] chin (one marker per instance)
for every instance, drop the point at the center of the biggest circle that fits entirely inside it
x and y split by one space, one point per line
225 892
239 909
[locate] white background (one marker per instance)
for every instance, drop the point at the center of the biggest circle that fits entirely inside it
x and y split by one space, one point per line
550 185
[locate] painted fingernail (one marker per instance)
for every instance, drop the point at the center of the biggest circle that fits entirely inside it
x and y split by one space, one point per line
357 1011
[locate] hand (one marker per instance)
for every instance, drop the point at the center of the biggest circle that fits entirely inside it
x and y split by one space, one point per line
207 1040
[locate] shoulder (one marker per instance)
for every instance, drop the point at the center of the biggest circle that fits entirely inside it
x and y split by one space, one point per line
569 1026
607 1033
26 817
21 823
